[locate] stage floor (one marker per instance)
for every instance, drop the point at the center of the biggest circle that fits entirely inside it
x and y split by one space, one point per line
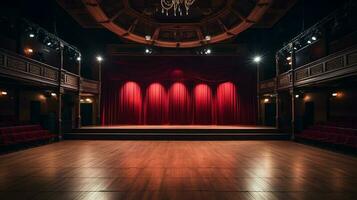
196 132
171 170
206 127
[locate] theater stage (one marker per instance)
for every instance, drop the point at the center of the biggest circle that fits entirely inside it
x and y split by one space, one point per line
177 132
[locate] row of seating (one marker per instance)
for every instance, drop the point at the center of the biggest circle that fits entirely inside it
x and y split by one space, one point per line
345 137
23 134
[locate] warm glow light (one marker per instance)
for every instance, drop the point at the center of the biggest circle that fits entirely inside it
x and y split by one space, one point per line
88 100
266 100
290 63
3 93
257 59
307 98
334 94
208 38
53 94
288 58
28 51
147 37
99 58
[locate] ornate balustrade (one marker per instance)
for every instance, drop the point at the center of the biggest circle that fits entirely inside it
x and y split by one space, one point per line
89 86
20 67
340 64
267 86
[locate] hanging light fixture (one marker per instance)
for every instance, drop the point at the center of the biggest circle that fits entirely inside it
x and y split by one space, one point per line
176 5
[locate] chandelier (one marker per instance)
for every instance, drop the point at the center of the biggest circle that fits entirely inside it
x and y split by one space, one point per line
176 5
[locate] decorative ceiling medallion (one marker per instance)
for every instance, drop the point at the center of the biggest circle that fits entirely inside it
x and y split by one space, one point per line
208 21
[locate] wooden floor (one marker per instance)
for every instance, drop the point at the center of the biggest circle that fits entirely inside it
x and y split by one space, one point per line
177 170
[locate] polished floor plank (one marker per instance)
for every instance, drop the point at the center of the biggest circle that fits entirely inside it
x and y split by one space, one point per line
249 170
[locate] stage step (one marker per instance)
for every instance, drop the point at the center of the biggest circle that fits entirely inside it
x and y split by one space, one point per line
102 133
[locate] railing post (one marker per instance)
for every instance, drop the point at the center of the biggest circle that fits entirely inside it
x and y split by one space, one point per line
79 118
59 93
292 92
277 103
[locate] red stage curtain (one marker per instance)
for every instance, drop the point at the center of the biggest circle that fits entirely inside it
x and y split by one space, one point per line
179 104
203 104
130 104
155 108
227 104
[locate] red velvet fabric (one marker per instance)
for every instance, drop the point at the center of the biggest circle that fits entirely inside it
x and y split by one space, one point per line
163 94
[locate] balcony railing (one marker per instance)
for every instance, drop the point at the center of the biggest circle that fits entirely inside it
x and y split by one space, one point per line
22 68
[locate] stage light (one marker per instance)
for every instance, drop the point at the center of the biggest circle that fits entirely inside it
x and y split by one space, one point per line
257 59
313 38
31 35
53 94
208 51
99 58
208 38
148 51
79 58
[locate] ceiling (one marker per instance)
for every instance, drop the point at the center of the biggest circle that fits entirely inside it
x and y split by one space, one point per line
134 20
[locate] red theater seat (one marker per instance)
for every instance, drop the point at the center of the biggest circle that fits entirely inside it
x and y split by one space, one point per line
23 134
328 134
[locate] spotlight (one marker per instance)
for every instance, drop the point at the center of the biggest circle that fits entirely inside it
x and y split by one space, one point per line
31 35
147 37
314 38
208 51
257 59
208 38
148 51
53 94
99 58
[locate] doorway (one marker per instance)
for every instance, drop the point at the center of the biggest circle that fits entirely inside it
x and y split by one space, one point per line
86 114
309 114
269 118
35 112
